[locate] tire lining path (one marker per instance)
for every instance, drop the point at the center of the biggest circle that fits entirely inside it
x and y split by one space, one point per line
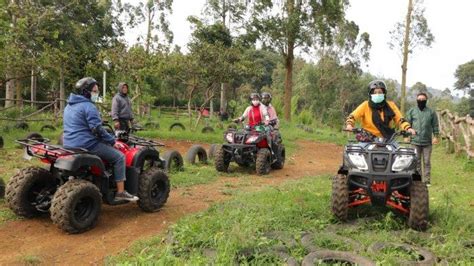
120 226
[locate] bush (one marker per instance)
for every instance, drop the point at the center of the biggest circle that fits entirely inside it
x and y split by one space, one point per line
305 117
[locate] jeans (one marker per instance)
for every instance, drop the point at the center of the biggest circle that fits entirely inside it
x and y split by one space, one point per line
424 153
113 157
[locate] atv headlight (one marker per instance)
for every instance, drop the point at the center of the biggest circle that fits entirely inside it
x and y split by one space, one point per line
251 139
229 137
358 160
401 162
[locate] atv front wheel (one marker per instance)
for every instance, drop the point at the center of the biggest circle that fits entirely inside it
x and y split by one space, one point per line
263 162
419 206
29 188
153 190
221 159
340 197
76 206
280 162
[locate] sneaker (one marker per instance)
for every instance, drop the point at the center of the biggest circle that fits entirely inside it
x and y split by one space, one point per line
125 196
428 183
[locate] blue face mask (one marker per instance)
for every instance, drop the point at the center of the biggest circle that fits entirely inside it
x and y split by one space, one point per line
377 98
94 97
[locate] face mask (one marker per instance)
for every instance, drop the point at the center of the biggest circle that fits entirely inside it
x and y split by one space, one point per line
421 104
255 102
377 98
94 97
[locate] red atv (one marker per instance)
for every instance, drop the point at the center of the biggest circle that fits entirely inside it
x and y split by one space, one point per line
76 182
250 147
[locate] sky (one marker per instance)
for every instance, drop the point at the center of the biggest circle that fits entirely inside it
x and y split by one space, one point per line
451 22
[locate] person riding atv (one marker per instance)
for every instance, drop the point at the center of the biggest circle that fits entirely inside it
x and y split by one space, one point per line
256 113
274 121
83 129
378 115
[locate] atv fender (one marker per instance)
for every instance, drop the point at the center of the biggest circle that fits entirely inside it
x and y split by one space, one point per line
74 162
140 155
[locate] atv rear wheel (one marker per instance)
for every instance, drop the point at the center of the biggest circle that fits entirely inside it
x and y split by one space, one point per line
419 206
153 190
263 162
173 161
29 188
221 159
280 162
340 197
76 206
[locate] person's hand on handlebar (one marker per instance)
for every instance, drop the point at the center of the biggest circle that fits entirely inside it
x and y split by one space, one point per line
349 128
237 120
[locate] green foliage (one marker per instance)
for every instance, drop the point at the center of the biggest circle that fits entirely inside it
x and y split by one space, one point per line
464 75
305 117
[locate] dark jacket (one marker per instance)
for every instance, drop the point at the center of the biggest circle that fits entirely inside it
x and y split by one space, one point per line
83 125
425 124
121 105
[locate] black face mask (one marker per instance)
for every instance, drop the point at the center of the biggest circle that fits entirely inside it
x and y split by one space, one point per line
421 104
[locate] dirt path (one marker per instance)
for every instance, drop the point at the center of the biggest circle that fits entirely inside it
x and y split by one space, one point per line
120 226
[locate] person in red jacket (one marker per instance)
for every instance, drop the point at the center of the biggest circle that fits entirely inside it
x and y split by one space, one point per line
256 113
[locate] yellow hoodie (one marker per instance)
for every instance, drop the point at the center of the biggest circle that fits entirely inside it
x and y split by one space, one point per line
363 114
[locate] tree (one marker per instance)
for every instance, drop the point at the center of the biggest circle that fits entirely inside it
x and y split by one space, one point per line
405 38
464 75
293 24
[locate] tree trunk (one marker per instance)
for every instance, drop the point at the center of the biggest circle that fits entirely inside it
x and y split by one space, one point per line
19 97
9 91
405 56
288 83
62 93
223 104
33 87
148 33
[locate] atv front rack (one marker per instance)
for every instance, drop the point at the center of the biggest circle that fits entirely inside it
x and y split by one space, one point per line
44 150
138 141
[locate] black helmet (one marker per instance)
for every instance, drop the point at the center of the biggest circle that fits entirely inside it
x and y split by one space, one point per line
85 85
254 95
377 84
266 98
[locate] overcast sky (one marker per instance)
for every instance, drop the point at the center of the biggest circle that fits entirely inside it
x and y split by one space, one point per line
451 22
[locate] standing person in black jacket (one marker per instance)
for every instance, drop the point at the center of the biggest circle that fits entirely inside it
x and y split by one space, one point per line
122 108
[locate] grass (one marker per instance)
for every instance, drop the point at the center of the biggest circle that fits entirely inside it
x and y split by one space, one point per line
231 229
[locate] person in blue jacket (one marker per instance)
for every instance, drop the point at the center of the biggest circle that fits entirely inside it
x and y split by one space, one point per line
83 129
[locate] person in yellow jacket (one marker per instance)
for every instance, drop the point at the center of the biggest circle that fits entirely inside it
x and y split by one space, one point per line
378 115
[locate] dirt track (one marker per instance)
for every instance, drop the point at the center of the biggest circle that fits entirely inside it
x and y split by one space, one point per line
119 226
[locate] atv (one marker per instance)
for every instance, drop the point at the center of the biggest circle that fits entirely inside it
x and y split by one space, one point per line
248 147
75 182
380 172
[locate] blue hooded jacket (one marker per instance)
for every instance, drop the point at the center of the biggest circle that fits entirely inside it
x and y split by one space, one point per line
81 121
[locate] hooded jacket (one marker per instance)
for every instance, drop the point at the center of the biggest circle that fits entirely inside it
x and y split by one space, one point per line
83 125
425 122
121 105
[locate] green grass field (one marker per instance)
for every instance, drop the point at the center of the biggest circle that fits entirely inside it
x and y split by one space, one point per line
225 233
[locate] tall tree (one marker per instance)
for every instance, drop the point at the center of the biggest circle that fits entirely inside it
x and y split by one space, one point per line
292 24
464 75
408 36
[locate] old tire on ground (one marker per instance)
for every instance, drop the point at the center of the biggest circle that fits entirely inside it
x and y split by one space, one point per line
425 256
47 127
61 138
207 130
76 206
263 161
1 142
333 257
248 255
221 159
212 151
419 206
2 188
153 190
281 157
177 125
196 151
24 187
173 161
307 240
340 197
35 136
22 125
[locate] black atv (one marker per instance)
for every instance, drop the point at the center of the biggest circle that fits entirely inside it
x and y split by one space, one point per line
248 147
380 172
75 182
